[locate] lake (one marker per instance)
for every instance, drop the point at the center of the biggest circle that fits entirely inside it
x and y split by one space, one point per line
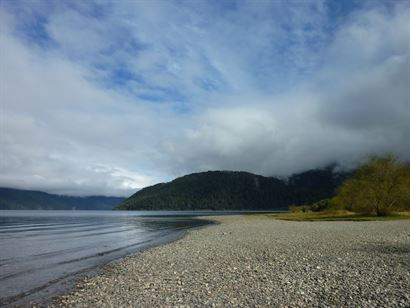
41 251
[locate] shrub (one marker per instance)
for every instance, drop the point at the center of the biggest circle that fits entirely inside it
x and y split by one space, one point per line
295 209
322 205
379 186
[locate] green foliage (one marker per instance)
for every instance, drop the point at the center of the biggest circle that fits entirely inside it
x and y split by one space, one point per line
228 190
319 206
322 205
295 208
16 199
380 186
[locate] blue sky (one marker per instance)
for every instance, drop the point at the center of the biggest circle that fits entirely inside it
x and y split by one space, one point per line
105 97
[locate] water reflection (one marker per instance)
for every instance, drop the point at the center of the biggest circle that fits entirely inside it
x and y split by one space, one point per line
39 247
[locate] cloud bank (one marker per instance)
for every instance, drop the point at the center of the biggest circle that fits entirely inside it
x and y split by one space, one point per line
108 98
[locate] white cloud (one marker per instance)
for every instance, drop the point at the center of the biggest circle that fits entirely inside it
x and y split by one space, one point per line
271 88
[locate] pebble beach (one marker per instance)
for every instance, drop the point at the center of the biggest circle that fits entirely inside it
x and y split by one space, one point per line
246 261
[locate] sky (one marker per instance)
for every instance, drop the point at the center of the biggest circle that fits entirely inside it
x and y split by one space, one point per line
107 97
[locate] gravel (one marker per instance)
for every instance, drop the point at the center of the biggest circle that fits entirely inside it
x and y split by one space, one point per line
255 261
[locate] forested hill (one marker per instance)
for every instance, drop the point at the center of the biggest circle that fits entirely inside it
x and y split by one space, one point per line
17 199
228 190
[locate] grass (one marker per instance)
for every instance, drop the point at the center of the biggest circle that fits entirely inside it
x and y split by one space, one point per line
336 216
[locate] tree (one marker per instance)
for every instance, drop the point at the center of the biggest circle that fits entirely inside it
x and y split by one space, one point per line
379 186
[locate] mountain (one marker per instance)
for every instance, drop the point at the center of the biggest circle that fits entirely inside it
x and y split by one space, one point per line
17 199
229 190
317 184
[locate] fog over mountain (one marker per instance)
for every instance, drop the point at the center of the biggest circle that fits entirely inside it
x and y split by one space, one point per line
106 98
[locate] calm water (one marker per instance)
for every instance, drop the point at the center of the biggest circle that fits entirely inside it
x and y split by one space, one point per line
40 249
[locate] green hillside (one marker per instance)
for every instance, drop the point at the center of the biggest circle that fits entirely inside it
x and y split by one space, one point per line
228 190
17 199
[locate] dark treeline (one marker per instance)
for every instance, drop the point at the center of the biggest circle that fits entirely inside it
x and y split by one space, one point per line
380 186
17 199
229 190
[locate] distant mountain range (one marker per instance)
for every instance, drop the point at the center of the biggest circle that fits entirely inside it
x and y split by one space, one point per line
211 190
17 199
229 190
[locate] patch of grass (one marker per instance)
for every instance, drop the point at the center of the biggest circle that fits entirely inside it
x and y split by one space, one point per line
336 216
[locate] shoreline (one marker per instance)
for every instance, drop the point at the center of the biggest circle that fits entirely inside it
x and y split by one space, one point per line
251 261
45 295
